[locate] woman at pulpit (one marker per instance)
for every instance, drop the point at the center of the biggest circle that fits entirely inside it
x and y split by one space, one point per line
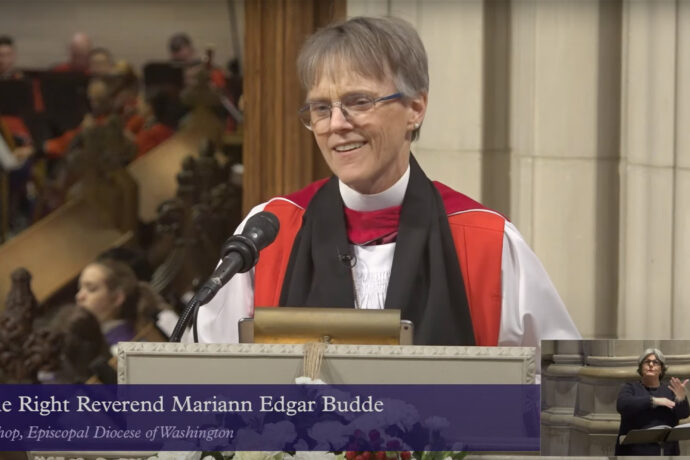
379 233
651 402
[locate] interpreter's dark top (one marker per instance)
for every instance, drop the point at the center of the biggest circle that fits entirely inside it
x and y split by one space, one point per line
635 406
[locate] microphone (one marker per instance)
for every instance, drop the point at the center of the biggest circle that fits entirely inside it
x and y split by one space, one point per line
347 259
239 254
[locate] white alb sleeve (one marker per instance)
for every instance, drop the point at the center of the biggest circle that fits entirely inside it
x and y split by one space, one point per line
217 321
531 308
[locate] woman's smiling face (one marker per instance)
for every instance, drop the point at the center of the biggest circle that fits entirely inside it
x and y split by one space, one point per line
368 151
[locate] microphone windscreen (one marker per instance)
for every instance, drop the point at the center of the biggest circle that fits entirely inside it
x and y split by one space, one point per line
262 228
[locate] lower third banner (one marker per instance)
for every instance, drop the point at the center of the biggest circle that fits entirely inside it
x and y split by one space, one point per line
270 417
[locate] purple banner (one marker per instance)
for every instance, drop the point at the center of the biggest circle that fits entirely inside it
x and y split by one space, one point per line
270 417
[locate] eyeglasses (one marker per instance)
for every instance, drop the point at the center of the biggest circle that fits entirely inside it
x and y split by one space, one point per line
651 362
316 115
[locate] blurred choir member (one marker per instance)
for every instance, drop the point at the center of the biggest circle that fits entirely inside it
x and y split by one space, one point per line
8 57
16 167
100 62
182 51
79 49
161 113
101 104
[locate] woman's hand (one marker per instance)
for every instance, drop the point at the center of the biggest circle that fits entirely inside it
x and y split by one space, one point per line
656 402
678 388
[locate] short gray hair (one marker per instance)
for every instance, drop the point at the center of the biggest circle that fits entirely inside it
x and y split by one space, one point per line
373 48
659 355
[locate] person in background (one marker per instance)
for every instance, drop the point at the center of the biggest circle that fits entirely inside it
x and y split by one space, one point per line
182 52
17 152
101 62
79 49
123 305
651 402
162 113
101 102
84 348
181 48
379 233
126 95
110 290
17 137
134 258
8 57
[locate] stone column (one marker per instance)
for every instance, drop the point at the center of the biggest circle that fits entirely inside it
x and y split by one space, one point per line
564 134
559 390
450 147
681 236
655 155
608 364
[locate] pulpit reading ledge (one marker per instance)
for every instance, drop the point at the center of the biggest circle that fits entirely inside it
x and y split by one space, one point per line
194 363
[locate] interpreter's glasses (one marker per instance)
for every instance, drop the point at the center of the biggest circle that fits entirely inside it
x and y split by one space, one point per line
316 115
651 362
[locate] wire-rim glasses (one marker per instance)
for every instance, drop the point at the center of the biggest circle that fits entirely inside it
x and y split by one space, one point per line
316 115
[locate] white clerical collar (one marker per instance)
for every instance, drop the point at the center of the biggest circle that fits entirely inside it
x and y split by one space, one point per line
392 196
